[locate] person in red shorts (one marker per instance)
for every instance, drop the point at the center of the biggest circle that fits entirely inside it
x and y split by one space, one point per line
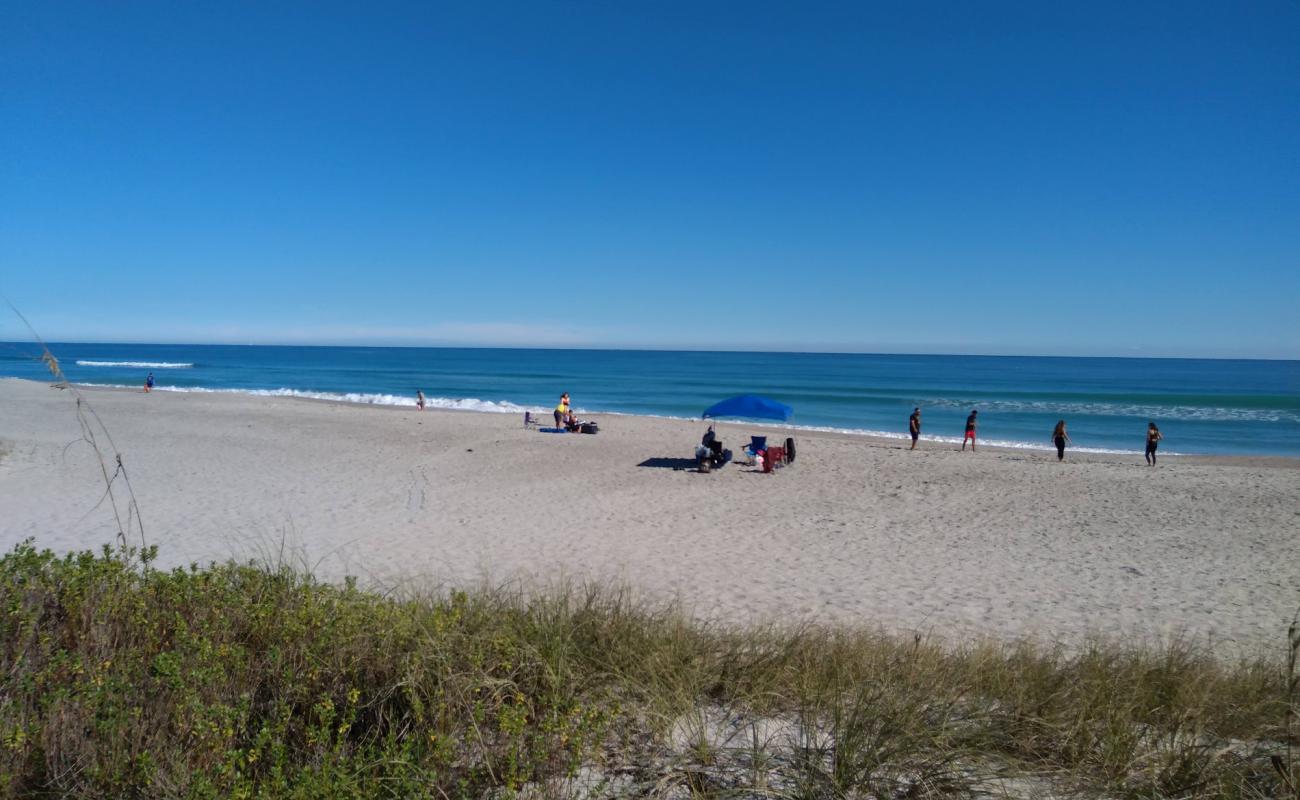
970 432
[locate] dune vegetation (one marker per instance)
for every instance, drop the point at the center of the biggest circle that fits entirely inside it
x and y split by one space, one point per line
118 679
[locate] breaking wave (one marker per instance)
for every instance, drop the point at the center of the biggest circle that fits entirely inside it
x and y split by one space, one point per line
140 364
368 399
1070 409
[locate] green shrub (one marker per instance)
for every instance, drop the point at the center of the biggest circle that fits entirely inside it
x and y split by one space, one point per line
121 680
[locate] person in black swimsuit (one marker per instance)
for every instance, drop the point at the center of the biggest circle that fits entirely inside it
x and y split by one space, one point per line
1153 441
914 426
1060 438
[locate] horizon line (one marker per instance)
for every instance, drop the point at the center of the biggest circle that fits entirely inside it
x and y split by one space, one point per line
652 349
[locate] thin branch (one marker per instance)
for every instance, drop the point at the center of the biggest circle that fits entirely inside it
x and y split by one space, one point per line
90 424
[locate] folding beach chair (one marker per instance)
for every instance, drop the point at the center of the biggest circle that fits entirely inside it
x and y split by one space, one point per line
757 444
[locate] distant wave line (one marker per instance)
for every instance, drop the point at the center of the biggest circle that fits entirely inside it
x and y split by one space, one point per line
139 364
367 399
1140 411
967 396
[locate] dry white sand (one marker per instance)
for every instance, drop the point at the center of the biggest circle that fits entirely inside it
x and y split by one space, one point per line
1005 543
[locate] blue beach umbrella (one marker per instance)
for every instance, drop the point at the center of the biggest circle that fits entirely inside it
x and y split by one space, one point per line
749 406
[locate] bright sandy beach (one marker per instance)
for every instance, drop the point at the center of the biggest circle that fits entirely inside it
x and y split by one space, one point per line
1004 543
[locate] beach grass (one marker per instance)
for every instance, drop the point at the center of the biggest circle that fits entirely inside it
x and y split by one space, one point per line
256 680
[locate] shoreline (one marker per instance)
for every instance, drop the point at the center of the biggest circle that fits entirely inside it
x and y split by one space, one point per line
1005 543
876 438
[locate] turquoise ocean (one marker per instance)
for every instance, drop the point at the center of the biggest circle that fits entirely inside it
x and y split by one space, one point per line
1203 406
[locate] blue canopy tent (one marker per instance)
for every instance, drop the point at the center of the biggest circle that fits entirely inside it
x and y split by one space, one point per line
749 406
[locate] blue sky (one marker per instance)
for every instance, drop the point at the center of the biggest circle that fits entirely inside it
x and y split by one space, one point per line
1091 178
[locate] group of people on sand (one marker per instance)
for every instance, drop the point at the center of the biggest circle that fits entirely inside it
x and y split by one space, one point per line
565 419
564 416
1060 437
914 428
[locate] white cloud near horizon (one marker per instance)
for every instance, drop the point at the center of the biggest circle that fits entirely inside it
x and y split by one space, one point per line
61 326
492 334
55 328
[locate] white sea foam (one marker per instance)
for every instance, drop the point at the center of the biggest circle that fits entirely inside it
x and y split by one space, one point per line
1141 411
140 364
506 407
874 434
363 398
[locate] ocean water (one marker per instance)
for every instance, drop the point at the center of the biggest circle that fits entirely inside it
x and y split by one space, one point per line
1202 406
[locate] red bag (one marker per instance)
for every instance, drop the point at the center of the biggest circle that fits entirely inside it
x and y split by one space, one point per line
772 457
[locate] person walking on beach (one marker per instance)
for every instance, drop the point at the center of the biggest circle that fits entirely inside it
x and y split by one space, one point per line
562 410
914 426
419 399
148 382
1060 438
1153 441
970 432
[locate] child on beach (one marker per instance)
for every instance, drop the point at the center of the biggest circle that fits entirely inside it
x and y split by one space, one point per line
1060 438
914 426
970 432
148 382
419 399
1153 441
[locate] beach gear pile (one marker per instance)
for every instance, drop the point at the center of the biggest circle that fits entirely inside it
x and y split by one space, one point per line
750 406
710 454
582 426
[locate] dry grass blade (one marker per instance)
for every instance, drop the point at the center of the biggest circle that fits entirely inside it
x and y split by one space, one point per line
126 512
1287 767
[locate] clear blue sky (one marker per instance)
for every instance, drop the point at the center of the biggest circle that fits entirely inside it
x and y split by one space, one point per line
1085 178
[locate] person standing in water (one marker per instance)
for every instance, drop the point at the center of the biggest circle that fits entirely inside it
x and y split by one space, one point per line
1060 438
1153 441
148 382
970 432
419 399
914 426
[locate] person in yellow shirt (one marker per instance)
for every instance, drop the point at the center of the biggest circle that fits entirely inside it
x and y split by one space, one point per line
562 410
